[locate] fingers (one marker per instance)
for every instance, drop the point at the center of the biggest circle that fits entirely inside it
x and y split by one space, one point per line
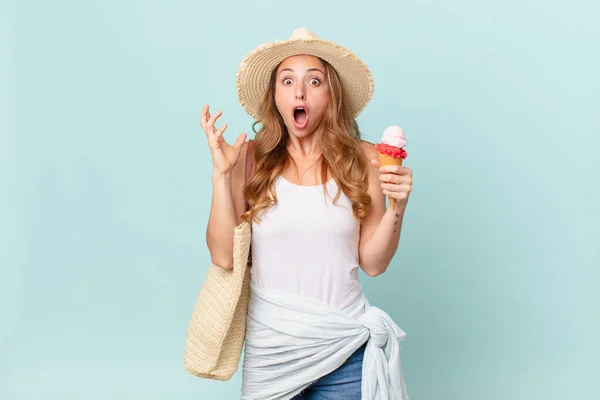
240 141
395 169
219 132
396 181
391 178
376 163
395 178
396 188
401 196
204 116
208 122
211 121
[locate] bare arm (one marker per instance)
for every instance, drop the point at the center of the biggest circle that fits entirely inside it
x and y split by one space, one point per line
380 230
228 184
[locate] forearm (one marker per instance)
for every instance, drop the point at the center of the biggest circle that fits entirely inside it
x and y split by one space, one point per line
221 223
383 243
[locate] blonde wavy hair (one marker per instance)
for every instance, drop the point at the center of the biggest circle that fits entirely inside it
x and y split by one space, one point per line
340 145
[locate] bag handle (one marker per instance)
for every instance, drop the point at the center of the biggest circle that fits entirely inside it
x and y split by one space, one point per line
249 160
249 165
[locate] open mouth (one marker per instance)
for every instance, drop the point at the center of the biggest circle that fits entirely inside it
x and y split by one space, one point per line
300 117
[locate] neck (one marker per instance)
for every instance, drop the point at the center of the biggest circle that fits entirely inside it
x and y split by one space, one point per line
305 147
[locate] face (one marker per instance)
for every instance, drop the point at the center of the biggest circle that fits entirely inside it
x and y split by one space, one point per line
301 93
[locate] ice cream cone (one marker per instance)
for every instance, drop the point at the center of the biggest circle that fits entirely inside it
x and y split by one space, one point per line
386 160
391 149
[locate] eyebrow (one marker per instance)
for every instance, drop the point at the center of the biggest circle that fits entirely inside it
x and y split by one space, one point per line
308 70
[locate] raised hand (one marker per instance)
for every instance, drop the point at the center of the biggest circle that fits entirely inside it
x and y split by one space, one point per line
224 156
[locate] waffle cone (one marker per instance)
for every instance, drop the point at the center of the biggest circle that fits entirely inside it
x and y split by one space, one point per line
385 160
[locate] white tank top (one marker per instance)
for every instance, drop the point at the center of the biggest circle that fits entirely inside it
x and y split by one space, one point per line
307 246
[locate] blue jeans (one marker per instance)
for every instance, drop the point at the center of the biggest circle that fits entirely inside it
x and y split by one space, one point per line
342 384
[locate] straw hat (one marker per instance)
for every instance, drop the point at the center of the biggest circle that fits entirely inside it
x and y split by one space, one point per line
255 71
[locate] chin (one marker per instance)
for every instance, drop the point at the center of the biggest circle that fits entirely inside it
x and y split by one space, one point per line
301 132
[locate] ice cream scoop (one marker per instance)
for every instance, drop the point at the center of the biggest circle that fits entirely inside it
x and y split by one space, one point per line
393 135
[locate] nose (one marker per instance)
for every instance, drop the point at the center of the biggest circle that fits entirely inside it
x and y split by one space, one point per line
300 95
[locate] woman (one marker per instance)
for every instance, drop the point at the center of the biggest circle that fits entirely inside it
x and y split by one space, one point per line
316 202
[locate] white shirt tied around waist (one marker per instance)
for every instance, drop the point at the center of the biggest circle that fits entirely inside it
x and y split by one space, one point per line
292 341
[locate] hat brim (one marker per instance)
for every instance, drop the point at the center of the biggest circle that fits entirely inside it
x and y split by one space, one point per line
253 76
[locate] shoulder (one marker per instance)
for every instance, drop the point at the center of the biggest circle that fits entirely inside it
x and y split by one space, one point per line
368 149
370 153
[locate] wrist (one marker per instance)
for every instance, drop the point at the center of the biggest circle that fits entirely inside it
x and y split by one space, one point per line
219 176
399 207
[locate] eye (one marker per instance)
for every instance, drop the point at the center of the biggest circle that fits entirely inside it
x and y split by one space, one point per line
287 81
315 81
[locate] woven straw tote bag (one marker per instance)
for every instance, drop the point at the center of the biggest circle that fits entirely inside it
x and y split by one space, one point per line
217 327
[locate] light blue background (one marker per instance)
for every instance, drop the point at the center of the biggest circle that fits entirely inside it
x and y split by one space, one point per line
105 188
